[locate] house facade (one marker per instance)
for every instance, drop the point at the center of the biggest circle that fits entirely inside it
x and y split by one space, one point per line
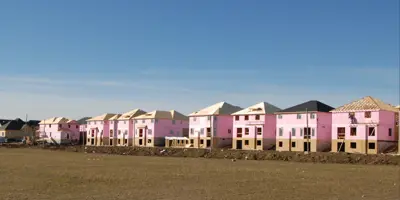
152 128
59 130
212 126
99 129
83 130
364 126
254 127
304 127
15 130
126 125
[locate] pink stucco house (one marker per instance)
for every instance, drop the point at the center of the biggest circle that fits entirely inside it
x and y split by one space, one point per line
59 130
366 126
125 127
212 126
304 127
254 127
152 128
99 129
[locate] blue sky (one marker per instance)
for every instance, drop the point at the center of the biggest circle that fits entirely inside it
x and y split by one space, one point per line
83 58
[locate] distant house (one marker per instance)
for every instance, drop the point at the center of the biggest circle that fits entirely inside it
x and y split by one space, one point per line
82 129
212 126
99 130
113 133
254 127
152 128
364 126
59 130
304 127
15 130
125 127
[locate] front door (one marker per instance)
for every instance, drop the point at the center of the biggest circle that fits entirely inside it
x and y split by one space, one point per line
239 144
307 145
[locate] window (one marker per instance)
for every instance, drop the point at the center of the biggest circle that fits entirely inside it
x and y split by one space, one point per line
201 131
152 120
173 121
125 132
293 132
301 132
208 118
246 131
312 132
246 142
111 133
191 141
239 130
125 141
280 144
119 141
119 132
257 117
367 114
371 145
49 125
201 141
171 132
77 126
194 119
67 136
353 145
135 121
298 116
280 131
69 125
191 131
60 126
353 131
371 131
293 144
259 131
279 116
258 142
237 117
50 134
312 116
143 121
246 117
229 131
390 132
149 141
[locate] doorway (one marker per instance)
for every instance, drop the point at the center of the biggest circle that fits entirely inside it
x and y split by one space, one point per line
341 147
239 144
307 145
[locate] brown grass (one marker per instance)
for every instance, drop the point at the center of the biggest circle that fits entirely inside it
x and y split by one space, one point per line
42 174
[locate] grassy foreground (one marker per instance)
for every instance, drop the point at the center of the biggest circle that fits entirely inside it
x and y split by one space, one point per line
36 174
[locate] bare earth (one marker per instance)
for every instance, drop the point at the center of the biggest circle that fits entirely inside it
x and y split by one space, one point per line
41 174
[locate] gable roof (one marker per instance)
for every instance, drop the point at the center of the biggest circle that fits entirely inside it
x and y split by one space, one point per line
398 107
83 120
115 117
221 108
131 114
102 117
310 106
366 103
56 120
33 122
260 108
13 125
4 121
159 114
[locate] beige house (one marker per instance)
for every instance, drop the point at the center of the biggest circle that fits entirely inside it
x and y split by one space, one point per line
17 130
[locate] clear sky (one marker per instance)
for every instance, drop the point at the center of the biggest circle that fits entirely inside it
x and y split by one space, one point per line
78 58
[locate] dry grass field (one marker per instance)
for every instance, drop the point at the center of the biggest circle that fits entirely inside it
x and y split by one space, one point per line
42 174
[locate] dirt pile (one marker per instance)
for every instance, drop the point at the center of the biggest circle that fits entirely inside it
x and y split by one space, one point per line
320 157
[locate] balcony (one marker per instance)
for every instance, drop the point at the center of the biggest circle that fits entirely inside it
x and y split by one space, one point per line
307 136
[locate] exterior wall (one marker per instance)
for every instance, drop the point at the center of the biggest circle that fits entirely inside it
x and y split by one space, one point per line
293 131
60 133
99 132
124 132
384 121
267 138
221 127
155 130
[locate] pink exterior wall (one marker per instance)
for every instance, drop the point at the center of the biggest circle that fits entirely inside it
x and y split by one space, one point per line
125 126
266 122
82 128
341 119
320 125
222 125
55 133
161 127
102 126
386 122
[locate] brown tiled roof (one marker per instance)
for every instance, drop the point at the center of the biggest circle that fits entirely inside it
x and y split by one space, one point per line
366 103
